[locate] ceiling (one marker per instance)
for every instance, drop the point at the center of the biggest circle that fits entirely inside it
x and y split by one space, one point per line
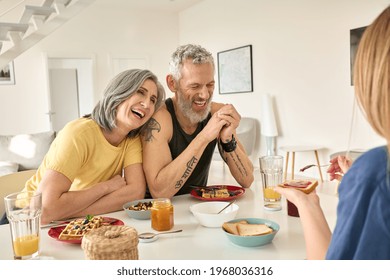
161 5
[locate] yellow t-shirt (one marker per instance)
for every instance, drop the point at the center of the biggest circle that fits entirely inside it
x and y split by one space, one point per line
85 157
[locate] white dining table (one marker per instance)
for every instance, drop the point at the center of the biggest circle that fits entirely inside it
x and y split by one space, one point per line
196 242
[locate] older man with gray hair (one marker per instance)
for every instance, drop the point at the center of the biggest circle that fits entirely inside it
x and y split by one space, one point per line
180 140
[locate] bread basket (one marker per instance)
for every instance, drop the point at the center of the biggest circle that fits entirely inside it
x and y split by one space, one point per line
111 243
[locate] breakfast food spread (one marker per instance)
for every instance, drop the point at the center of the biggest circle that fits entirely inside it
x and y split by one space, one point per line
141 206
215 193
77 228
303 185
253 229
232 227
162 217
243 228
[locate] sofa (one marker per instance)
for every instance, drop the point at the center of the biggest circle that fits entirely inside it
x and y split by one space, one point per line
23 151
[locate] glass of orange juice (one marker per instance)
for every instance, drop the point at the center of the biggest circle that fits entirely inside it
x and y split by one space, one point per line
271 170
24 213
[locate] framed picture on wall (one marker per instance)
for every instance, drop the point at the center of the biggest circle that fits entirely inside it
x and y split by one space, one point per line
7 75
355 36
235 70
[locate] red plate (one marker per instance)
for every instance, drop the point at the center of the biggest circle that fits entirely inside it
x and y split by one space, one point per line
54 232
238 191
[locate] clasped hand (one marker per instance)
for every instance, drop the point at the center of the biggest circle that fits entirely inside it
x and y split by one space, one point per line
223 124
232 119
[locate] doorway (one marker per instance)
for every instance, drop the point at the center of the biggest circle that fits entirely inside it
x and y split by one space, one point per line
71 90
64 97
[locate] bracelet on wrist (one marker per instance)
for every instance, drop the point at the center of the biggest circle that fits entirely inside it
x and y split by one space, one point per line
229 146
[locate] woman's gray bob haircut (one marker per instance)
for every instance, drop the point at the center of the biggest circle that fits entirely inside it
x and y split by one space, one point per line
120 88
196 53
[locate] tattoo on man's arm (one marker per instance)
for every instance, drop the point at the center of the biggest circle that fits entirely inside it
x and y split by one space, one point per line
240 166
187 172
221 152
237 161
148 133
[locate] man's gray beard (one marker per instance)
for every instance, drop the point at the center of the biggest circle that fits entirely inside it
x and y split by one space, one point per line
186 108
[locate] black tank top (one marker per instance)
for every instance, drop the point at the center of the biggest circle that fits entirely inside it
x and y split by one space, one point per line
179 142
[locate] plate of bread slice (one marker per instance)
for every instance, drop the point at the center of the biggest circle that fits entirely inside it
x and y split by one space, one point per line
250 232
74 230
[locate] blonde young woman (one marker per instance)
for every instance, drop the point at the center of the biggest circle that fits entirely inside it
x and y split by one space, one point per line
363 215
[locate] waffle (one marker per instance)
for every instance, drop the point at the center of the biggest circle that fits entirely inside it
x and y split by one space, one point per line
77 228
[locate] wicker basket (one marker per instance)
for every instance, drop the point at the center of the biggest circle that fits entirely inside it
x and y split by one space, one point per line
111 243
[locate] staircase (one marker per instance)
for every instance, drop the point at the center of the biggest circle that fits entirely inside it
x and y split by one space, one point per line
35 23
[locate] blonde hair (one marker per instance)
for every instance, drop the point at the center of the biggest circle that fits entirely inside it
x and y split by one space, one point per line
372 74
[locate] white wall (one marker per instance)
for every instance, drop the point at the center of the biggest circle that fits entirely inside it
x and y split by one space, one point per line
300 57
104 30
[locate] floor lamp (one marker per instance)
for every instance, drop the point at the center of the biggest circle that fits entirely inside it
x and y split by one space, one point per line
268 124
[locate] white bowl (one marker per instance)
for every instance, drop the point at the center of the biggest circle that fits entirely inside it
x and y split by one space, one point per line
206 213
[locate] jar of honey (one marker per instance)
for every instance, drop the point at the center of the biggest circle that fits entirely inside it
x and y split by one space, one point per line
162 214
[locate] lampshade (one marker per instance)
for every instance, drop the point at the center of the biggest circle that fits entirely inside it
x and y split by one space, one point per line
268 122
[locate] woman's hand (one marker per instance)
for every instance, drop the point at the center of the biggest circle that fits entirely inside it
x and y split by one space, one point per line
338 167
299 198
315 228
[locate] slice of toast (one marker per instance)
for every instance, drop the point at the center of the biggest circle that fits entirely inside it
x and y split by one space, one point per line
232 227
307 186
253 229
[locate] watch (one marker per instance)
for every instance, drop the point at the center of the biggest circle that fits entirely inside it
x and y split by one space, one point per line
229 146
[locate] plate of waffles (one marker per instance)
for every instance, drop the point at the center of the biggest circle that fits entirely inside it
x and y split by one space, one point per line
217 192
73 231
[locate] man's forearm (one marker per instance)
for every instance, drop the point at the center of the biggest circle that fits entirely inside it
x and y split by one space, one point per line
174 175
239 164
188 171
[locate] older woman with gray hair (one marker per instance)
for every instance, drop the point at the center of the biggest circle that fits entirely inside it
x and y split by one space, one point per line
94 165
